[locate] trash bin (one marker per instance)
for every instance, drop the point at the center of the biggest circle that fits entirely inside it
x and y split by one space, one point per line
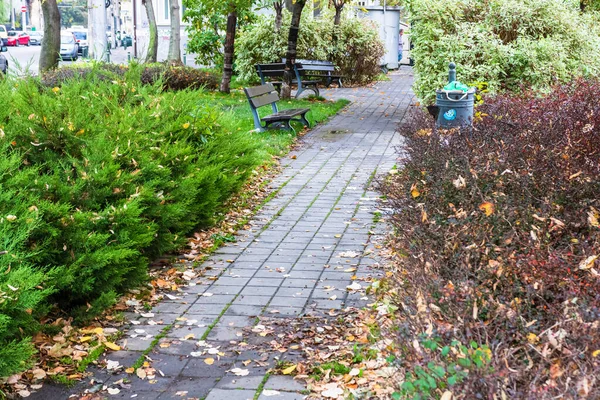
454 102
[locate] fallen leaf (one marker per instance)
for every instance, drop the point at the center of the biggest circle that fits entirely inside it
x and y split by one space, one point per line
332 390
112 346
354 286
24 393
588 262
113 391
209 361
38 373
447 395
289 370
414 192
141 373
240 371
487 207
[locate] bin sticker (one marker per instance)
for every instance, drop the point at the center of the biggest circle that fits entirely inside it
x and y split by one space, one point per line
450 115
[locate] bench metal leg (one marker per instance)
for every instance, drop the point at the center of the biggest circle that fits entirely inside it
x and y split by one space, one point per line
315 89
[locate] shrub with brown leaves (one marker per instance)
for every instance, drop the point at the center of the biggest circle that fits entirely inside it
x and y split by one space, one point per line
498 243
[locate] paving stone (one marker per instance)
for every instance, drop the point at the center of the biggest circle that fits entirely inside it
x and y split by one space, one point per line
169 365
225 333
265 281
283 396
294 292
286 301
216 299
259 291
236 321
175 347
246 310
252 300
196 367
240 382
220 289
196 388
206 309
224 394
183 331
169 308
284 383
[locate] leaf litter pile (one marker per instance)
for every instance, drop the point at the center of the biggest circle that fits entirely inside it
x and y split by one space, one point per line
66 350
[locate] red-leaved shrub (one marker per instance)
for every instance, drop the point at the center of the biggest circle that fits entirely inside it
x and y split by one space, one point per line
498 236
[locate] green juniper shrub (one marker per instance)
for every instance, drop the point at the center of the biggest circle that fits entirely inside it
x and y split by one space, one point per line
173 77
98 177
499 230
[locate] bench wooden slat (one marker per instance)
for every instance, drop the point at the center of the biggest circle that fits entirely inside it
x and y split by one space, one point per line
265 99
286 114
259 90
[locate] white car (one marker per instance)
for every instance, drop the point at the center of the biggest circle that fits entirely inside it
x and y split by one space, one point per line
81 36
68 46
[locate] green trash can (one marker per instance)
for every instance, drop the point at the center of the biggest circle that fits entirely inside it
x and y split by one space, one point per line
455 103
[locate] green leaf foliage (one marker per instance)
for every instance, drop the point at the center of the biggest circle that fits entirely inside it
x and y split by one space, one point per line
506 43
357 52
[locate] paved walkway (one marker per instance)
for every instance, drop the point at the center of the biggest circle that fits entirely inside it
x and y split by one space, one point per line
323 211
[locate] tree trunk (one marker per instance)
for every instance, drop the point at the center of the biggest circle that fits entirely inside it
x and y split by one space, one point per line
290 58
289 4
153 40
229 51
278 5
174 57
337 18
50 52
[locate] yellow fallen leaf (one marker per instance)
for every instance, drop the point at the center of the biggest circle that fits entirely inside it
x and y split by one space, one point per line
487 207
596 353
532 338
338 236
186 125
414 191
289 370
84 339
93 331
209 361
229 261
130 370
190 336
112 346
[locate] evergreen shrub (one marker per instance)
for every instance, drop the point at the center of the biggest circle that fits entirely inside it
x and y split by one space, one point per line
497 234
173 77
97 177
509 44
357 50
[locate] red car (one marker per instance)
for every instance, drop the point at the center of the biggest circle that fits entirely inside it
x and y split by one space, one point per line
17 38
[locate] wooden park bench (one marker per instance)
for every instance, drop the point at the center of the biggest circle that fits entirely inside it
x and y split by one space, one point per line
273 73
259 96
325 71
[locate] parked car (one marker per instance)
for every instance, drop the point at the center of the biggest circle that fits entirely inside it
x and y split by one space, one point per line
68 46
3 35
3 61
81 36
35 38
17 38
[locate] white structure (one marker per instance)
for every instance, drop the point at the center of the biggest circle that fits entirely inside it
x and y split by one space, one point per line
162 10
388 20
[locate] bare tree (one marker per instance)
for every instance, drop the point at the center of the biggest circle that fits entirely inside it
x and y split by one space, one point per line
153 45
290 58
50 52
174 57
